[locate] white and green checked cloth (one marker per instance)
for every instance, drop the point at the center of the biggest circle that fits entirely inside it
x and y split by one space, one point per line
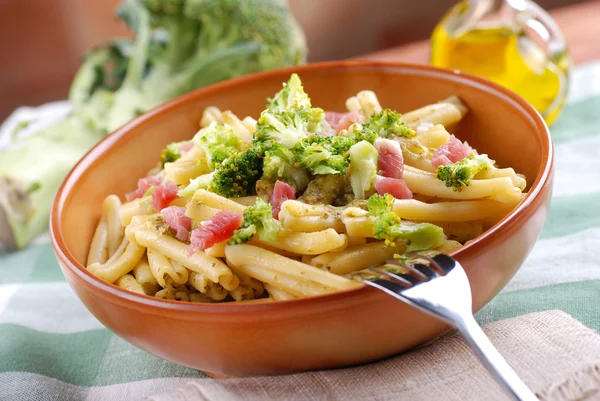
52 348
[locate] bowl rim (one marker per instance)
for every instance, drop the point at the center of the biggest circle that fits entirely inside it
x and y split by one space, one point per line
132 299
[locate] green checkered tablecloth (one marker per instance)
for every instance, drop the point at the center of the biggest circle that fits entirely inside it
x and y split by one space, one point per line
52 348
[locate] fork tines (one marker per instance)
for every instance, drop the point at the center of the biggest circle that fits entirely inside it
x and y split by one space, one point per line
416 269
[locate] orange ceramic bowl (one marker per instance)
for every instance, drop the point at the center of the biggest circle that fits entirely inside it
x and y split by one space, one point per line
340 329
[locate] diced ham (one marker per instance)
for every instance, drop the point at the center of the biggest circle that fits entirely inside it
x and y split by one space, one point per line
281 192
186 147
394 186
390 162
340 121
177 221
218 228
143 185
163 195
450 152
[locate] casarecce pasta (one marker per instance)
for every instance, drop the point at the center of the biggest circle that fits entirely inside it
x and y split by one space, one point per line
299 202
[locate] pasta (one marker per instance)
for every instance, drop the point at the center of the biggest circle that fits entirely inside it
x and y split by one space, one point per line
276 208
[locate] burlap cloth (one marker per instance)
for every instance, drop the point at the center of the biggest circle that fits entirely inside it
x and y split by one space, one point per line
556 356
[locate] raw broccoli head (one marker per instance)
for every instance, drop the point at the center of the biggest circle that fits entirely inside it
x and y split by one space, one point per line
388 226
279 163
291 96
265 25
218 142
459 175
321 154
237 175
258 219
387 122
182 45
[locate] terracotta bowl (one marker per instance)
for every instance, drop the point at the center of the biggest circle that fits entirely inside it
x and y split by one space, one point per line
329 331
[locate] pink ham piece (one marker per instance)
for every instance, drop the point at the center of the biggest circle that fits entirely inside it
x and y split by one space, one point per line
218 228
340 121
390 161
394 186
163 195
186 148
281 192
177 221
143 185
450 152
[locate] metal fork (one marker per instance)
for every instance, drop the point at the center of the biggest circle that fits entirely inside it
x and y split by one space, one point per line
439 286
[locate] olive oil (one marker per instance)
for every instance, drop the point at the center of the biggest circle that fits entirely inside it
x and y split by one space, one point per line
502 52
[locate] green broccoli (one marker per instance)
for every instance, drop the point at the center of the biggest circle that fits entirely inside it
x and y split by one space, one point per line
186 44
218 142
363 168
362 133
237 175
171 153
388 226
321 154
279 164
258 220
292 96
387 122
459 175
286 128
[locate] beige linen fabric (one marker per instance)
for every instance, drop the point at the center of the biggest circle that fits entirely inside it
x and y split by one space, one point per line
554 354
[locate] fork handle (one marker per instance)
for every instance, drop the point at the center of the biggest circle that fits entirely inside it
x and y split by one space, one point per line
493 361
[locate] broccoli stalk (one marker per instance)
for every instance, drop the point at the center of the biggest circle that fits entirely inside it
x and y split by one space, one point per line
388 226
363 168
258 220
459 175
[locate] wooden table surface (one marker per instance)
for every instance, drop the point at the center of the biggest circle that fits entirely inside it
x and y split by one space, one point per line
580 24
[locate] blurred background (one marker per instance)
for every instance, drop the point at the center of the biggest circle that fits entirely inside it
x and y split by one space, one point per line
42 40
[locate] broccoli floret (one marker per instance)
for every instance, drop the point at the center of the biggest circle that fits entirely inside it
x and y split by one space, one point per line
387 122
181 45
322 154
237 175
219 142
258 219
286 128
388 226
292 96
171 153
363 168
279 163
360 132
459 175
